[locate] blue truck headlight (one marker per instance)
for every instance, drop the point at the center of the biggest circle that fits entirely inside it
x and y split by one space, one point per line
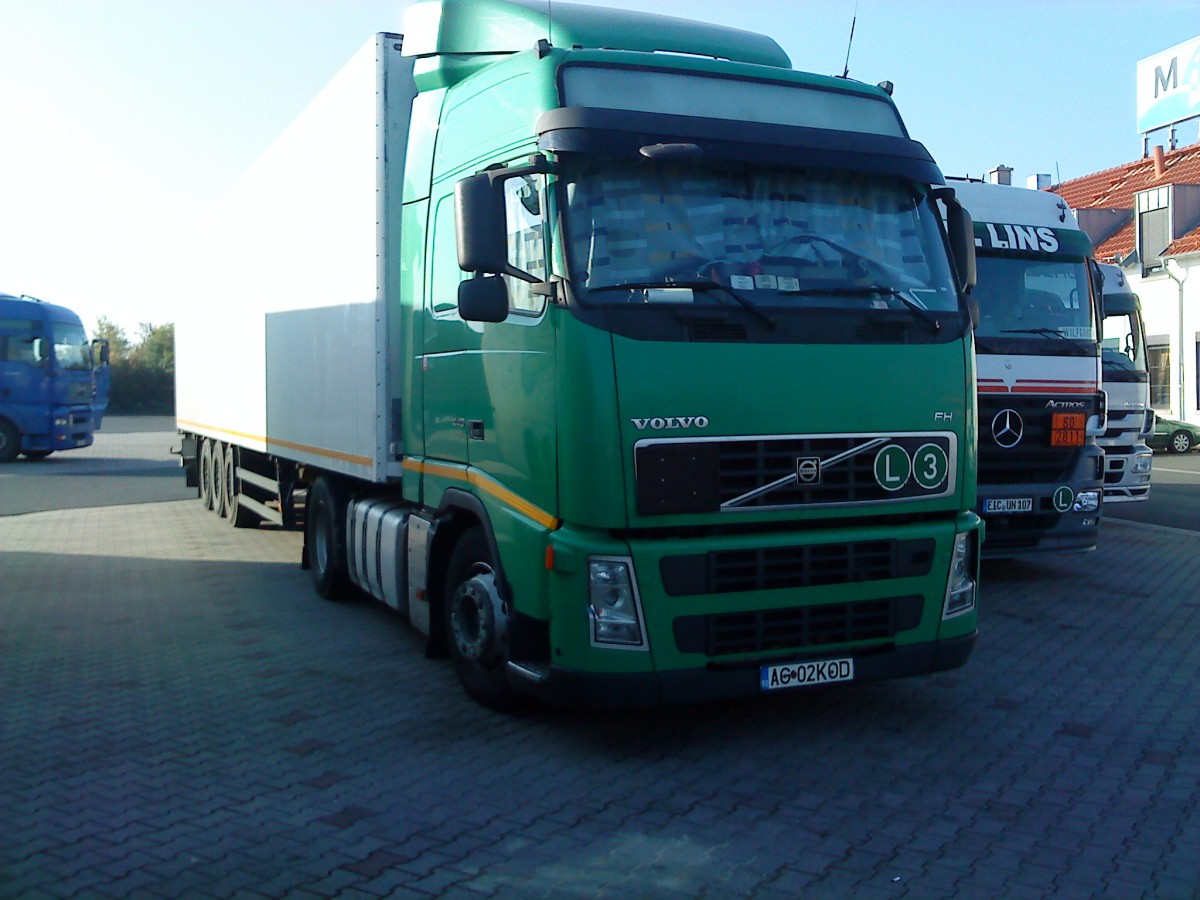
61 421
613 604
1087 501
960 585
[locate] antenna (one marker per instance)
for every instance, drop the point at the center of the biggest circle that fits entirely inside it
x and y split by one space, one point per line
550 22
850 43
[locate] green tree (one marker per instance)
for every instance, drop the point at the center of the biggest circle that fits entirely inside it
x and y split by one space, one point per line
143 372
118 343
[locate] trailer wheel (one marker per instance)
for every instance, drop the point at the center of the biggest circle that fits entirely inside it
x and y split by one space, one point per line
476 619
325 539
239 516
10 441
204 473
217 467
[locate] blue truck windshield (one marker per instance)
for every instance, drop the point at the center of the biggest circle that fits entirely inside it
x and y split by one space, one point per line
71 348
783 238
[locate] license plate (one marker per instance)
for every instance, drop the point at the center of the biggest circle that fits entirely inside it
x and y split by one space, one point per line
1008 505
805 674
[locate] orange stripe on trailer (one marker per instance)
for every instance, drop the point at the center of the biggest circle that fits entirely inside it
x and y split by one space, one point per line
276 442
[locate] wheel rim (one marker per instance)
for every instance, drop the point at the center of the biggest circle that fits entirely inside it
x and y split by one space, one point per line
1182 442
477 620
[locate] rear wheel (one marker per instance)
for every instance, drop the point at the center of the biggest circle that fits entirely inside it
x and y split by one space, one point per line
204 473
476 618
10 441
325 538
1181 441
239 516
217 467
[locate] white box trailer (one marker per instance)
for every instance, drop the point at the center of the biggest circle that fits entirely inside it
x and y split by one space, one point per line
284 348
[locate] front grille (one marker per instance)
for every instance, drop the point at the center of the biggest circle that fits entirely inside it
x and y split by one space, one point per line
776 568
797 628
1033 460
762 473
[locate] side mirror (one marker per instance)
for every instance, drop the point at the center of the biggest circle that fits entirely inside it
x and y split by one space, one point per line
480 219
479 224
483 299
100 352
961 232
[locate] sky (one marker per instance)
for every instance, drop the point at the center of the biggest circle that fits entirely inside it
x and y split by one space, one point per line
123 122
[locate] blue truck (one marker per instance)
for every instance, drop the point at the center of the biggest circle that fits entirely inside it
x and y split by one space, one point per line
53 380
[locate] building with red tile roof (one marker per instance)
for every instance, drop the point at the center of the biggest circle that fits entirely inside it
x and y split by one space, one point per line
1105 202
1145 216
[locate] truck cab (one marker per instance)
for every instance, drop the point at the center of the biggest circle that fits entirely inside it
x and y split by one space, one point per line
48 371
1041 407
1127 458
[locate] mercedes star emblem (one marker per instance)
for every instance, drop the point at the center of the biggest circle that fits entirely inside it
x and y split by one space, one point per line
1007 428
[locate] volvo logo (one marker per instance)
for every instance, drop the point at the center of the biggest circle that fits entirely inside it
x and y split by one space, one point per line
808 470
670 423
1007 428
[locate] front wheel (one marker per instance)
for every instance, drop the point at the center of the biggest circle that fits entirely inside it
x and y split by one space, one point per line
476 618
325 539
1181 442
10 442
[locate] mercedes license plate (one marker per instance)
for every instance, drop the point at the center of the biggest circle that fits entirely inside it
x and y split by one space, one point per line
805 674
1008 505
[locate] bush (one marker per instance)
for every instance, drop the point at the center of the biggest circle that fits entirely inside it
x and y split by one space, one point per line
142 373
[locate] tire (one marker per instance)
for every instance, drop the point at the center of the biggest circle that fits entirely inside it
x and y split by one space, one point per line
204 473
10 441
36 454
239 516
476 622
325 539
217 467
1181 441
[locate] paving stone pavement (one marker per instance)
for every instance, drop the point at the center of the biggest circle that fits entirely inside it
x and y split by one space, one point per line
183 717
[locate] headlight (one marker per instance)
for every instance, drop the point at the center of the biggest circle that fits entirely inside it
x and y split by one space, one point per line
60 422
1087 501
613 605
960 585
1141 463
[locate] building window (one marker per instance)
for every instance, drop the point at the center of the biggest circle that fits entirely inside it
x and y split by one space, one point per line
1153 227
1158 358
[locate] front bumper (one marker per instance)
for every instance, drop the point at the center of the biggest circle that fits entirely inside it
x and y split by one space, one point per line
726 681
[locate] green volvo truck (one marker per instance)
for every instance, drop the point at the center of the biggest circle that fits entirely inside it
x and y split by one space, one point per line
629 364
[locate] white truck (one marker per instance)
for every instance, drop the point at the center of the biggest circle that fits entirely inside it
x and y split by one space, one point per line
1127 458
1041 407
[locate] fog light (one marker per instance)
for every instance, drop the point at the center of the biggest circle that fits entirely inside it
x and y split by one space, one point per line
1087 501
614 608
960 585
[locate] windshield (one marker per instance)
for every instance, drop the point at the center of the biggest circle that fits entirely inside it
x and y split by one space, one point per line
1033 298
784 238
71 348
1121 347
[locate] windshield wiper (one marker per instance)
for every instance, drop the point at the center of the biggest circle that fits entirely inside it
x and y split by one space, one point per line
847 290
695 284
1044 332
